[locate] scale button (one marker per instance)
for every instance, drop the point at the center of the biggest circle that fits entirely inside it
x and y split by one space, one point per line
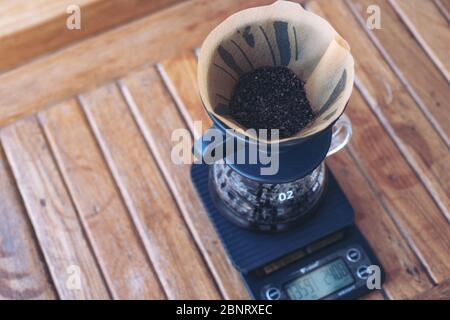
362 272
273 294
353 255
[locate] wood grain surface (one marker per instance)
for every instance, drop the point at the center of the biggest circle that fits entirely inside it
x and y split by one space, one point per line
29 29
430 29
409 202
54 218
90 186
23 273
404 55
413 135
118 248
440 292
444 8
406 276
110 55
180 77
177 261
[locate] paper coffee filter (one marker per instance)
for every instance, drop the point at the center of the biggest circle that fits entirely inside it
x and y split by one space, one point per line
281 34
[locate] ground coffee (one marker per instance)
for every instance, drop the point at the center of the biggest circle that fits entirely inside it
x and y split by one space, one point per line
271 98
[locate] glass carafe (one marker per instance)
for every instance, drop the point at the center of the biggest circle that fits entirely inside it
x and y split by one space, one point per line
272 207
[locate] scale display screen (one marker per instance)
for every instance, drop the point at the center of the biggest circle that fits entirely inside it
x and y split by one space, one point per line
321 282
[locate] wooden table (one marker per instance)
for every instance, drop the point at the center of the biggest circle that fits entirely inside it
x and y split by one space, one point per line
87 186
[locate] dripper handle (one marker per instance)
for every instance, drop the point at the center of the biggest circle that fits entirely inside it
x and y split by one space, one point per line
212 138
342 132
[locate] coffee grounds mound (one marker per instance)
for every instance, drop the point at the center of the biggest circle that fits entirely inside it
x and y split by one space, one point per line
271 98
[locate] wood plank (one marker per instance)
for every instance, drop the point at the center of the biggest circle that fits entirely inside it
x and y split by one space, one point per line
444 7
110 55
423 80
429 28
405 277
23 273
180 77
119 250
175 257
440 292
29 29
404 196
158 117
413 135
374 295
52 214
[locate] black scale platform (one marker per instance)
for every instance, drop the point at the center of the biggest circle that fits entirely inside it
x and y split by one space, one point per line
249 250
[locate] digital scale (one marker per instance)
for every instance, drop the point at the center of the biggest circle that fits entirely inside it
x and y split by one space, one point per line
325 257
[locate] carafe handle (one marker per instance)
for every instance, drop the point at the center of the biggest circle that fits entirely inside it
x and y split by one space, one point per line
342 132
